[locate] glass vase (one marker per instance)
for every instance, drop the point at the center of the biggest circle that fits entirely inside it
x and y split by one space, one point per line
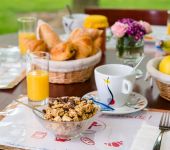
130 51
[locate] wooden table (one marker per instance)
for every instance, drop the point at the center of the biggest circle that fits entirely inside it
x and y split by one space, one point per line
141 86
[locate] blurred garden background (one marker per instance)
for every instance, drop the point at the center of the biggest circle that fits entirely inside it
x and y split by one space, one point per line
52 10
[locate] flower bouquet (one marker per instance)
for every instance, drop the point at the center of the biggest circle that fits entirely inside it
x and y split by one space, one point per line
129 34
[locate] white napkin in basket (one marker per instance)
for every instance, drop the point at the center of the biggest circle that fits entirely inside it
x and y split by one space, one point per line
146 138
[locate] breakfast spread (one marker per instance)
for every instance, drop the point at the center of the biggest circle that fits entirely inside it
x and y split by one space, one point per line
68 117
68 109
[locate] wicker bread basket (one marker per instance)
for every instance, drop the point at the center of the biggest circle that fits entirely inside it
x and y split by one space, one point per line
162 80
72 71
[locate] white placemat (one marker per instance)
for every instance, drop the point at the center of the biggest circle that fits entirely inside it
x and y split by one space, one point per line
20 128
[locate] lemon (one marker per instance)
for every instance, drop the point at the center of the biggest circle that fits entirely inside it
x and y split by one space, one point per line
164 65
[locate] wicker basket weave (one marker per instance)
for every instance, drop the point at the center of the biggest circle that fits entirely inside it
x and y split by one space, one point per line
162 80
164 90
70 77
73 71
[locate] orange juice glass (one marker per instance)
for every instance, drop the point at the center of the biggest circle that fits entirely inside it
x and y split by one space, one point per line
168 22
23 38
37 78
27 27
168 28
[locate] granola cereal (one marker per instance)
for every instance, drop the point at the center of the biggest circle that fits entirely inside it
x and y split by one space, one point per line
66 109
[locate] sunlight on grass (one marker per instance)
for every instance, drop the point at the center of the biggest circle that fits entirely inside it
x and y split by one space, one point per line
8 23
9 9
33 5
141 4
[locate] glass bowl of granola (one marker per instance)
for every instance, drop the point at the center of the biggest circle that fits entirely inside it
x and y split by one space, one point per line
67 117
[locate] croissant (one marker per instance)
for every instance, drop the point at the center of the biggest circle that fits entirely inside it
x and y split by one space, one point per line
63 51
96 36
97 45
78 32
94 33
34 45
82 42
83 46
88 41
46 33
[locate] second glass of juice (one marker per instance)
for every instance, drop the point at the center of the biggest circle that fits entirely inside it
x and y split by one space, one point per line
38 78
168 22
27 26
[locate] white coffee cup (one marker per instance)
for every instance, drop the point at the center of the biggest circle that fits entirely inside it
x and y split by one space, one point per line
76 21
114 83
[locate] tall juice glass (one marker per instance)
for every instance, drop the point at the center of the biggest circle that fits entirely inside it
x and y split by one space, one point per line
168 23
37 78
27 26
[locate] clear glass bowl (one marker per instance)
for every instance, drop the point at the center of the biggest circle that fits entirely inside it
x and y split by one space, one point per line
65 129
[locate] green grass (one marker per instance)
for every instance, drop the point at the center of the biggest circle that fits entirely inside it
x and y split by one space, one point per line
9 9
140 4
32 5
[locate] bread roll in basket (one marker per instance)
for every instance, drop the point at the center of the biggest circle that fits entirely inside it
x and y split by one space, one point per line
72 60
162 80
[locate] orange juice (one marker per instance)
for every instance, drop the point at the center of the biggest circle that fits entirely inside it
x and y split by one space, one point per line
168 29
24 37
37 85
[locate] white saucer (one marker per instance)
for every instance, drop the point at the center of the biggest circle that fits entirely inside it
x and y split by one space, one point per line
126 109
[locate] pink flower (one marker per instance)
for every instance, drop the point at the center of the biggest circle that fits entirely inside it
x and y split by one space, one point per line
147 26
119 29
